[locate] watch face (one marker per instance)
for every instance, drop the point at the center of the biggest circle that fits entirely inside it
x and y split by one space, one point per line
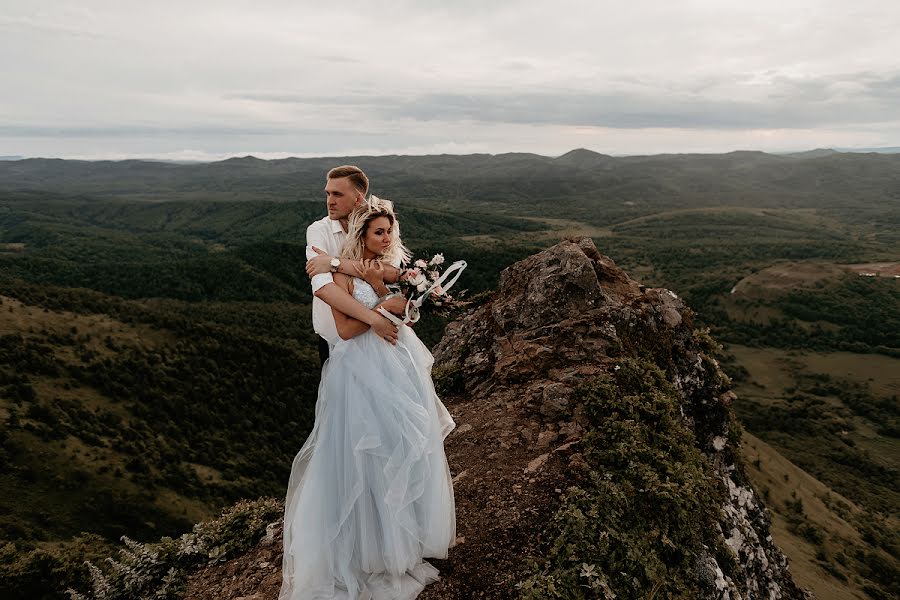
335 262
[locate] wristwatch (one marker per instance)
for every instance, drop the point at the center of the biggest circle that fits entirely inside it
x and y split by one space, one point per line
335 264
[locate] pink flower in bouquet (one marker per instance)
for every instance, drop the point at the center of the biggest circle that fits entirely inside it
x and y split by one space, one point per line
417 279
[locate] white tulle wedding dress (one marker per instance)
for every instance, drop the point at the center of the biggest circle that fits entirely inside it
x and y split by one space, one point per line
370 493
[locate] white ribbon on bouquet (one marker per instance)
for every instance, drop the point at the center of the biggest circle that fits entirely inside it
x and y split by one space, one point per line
413 306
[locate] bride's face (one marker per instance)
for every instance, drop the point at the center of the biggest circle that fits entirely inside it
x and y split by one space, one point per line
378 236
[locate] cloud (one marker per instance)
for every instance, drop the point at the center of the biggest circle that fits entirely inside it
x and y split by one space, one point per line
132 131
286 97
781 102
47 26
304 77
788 103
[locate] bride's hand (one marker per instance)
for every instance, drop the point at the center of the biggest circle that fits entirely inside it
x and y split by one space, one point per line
372 271
395 305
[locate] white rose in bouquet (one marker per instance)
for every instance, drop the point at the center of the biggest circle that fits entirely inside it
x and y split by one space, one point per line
438 259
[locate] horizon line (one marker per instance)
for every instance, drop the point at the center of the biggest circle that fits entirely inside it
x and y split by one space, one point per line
163 157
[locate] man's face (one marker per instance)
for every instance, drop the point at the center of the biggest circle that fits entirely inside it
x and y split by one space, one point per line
340 197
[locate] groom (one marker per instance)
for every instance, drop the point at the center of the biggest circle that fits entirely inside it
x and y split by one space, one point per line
345 188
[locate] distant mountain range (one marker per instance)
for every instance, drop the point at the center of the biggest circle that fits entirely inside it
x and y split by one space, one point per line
476 177
573 157
828 151
883 150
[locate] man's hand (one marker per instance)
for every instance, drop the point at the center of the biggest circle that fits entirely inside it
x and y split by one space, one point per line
383 327
318 264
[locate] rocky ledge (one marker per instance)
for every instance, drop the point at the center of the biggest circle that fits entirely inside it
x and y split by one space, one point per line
568 317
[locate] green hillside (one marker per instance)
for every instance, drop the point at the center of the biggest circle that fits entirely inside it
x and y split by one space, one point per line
157 361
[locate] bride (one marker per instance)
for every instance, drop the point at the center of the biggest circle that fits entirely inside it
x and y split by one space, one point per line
370 493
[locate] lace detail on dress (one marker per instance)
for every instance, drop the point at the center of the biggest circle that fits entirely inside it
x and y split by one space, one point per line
365 293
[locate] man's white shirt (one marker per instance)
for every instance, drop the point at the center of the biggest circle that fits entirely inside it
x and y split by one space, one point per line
328 235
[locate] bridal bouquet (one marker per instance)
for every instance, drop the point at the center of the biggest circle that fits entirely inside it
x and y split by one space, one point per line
424 275
428 281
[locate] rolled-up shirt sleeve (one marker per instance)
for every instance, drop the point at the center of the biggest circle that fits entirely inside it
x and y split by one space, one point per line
316 236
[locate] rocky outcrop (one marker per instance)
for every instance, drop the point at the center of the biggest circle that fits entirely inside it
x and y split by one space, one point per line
567 315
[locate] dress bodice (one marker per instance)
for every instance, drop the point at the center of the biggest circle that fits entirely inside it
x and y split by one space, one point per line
364 293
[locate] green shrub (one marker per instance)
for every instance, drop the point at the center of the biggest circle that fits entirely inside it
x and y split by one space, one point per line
43 573
648 510
159 570
448 380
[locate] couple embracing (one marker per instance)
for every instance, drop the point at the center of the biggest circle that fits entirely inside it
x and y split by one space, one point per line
370 493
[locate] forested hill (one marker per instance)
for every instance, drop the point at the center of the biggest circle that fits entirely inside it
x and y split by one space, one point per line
578 177
490 193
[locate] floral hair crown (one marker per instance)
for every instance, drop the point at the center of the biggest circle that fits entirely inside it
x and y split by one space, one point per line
376 204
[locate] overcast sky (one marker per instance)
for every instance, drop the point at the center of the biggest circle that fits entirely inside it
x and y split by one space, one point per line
205 80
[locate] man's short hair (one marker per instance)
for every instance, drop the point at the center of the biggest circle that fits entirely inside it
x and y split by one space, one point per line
356 176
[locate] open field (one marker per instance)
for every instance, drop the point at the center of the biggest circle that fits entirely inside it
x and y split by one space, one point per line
773 369
844 402
783 483
551 231
775 374
882 269
786 276
817 449
793 275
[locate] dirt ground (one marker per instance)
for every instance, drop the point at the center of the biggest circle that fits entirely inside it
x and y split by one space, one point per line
885 269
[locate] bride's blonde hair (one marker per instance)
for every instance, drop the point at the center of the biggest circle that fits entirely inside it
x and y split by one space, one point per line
358 225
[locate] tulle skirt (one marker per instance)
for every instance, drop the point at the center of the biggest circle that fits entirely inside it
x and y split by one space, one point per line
370 493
